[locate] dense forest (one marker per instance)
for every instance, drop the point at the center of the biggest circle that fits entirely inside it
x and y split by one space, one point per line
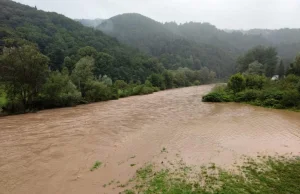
48 60
218 48
172 49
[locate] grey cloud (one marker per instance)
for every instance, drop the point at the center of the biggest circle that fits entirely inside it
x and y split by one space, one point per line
230 14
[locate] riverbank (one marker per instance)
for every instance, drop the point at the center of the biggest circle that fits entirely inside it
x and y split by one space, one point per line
261 175
259 91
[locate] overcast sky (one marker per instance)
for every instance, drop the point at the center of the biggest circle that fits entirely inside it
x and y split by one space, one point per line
229 14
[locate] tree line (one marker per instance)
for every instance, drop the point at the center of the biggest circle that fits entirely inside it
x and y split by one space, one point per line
29 83
254 85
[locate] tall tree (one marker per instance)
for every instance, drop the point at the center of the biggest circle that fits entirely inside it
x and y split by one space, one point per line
264 55
23 71
281 69
83 73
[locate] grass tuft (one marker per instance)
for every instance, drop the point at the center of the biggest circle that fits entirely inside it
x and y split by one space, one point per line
96 166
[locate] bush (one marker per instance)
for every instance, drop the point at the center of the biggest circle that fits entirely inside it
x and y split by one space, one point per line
271 102
255 81
157 80
271 93
120 84
216 97
197 83
99 91
247 96
237 83
290 98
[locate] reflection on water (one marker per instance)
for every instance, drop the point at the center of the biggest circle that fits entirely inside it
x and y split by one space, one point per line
52 151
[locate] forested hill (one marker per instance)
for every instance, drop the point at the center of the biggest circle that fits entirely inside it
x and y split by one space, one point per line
152 37
60 38
287 41
90 23
174 50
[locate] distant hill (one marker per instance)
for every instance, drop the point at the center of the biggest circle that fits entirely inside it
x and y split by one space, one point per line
90 23
59 37
174 49
151 36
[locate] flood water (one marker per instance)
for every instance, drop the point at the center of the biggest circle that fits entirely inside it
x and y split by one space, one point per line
52 151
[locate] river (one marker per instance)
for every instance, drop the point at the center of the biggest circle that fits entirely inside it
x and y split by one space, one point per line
52 151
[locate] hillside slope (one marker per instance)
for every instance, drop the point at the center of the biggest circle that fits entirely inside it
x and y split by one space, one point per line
173 49
59 37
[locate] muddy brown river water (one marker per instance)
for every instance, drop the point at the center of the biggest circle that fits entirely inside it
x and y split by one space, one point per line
52 151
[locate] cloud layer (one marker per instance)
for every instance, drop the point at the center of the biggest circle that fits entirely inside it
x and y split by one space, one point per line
230 14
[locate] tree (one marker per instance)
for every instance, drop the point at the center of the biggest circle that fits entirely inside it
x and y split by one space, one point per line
157 80
255 68
23 71
59 90
281 70
87 51
106 80
83 72
237 83
264 55
103 63
295 67
169 79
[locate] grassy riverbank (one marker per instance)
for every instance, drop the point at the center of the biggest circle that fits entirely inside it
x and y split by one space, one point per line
264 175
259 91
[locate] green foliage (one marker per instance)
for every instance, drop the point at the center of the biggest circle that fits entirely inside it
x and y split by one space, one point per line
99 91
172 50
3 99
275 94
219 94
96 166
83 73
255 81
263 175
157 80
237 83
281 70
120 84
255 68
252 60
247 96
168 77
59 91
295 66
291 98
23 72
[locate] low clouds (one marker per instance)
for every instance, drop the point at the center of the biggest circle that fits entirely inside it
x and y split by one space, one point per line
230 14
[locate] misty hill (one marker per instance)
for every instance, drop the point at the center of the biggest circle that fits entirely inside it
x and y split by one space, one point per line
90 23
149 35
59 37
173 49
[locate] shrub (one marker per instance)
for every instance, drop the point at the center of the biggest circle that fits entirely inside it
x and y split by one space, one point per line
292 79
271 102
99 91
216 97
120 84
271 93
197 83
237 83
255 81
157 80
247 96
290 99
